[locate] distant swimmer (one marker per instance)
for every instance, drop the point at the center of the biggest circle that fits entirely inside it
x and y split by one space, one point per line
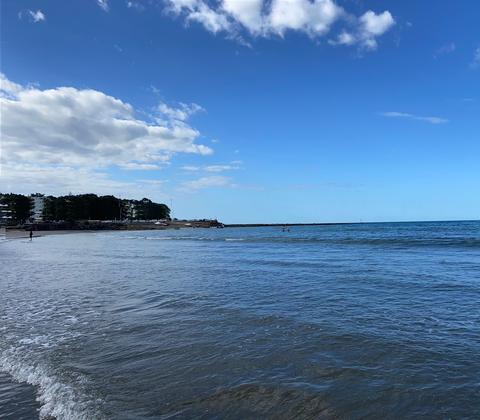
31 234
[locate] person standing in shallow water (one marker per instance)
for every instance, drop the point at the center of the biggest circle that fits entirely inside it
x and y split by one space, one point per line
31 234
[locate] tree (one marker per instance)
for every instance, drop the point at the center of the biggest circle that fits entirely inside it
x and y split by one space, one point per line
73 208
20 206
148 210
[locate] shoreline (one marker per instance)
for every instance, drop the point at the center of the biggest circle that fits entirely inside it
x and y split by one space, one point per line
25 234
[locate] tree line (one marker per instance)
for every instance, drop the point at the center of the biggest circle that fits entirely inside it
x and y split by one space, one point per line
19 207
84 207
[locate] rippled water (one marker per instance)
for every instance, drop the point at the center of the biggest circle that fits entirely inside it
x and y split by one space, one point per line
348 321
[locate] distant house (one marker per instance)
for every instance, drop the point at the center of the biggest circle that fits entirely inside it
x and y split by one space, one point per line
38 201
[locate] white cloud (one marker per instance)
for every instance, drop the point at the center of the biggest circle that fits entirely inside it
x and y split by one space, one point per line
33 16
372 26
345 38
180 113
369 26
9 89
475 64
431 120
232 166
135 5
247 12
37 16
85 129
206 182
103 4
133 166
220 168
312 17
266 18
201 12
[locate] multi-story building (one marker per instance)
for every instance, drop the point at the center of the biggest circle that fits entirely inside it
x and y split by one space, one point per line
5 214
129 210
38 206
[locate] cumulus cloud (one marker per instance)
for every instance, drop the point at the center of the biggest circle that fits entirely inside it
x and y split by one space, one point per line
372 26
276 17
246 12
85 129
313 17
431 120
369 26
66 125
206 182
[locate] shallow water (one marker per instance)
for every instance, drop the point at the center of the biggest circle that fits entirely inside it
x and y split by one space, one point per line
347 321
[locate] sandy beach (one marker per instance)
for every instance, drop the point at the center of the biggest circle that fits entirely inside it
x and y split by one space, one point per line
24 234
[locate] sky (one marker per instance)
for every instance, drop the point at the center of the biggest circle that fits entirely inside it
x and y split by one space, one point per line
246 110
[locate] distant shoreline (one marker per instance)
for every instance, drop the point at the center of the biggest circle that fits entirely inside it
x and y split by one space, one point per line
235 225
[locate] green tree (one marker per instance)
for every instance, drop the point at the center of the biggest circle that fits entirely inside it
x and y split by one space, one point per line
20 206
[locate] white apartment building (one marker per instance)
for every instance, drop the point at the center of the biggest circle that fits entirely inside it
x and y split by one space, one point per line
38 205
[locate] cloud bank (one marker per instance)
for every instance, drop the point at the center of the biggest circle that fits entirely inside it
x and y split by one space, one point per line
79 131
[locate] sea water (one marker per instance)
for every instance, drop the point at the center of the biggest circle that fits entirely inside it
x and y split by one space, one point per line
341 321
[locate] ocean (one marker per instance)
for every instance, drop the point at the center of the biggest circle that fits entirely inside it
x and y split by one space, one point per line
378 320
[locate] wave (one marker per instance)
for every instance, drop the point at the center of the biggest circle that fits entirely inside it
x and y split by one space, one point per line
467 242
58 399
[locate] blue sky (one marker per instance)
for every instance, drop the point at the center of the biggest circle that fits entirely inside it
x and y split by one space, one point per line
249 111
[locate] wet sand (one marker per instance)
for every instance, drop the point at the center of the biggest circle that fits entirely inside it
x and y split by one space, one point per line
25 234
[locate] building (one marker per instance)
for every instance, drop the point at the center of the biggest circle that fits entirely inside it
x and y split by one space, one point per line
38 201
129 209
5 214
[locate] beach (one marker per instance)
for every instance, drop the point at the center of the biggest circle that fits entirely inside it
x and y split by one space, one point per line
341 321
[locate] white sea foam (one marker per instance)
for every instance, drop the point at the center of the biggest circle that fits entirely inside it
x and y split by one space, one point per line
57 398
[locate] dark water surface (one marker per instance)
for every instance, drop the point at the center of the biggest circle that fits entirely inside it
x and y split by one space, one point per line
352 321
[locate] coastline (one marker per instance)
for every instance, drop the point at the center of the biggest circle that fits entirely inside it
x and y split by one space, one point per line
45 229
